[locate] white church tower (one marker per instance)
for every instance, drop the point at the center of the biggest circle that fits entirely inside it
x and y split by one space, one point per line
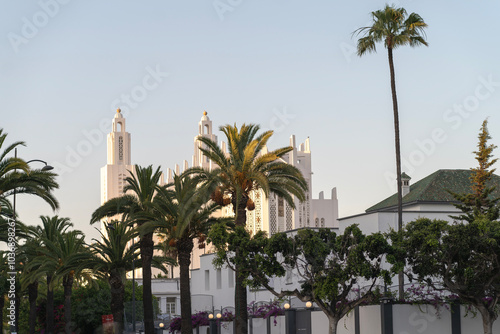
204 130
118 165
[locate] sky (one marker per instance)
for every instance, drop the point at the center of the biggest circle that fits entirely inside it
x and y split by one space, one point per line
289 66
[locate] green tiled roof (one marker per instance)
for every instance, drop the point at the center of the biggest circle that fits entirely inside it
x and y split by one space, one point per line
434 188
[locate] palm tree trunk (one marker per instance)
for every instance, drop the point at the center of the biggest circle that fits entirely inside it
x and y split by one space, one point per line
117 297
68 285
49 317
398 159
146 248
32 296
2 304
240 290
184 248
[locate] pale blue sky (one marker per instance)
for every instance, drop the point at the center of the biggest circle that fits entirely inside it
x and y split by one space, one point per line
63 67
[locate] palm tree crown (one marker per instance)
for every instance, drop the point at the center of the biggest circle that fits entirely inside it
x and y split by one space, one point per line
394 28
248 166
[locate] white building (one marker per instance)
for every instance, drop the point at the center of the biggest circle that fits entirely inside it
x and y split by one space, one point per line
118 163
428 198
271 214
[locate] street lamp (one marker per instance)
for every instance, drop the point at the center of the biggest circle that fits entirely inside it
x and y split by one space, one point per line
45 168
309 304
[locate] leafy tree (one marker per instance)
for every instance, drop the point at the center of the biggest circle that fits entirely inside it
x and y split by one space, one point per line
462 258
330 267
479 203
137 207
394 28
247 167
90 303
185 216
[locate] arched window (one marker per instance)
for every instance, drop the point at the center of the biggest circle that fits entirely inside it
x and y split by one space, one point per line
316 222
322 222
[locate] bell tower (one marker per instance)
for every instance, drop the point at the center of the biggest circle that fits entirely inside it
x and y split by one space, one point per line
118 165
204 130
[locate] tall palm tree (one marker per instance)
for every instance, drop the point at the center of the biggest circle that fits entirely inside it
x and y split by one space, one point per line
137 207
112 259
394 28
51 228
30 250
68 257
246 167
185 215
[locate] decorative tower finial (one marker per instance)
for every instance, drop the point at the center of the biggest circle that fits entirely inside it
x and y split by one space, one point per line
205 113
118 110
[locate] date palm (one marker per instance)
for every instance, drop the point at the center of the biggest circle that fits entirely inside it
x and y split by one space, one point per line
37 268
247 167
112 258
185 215
68 257
17 177
393 27
137 207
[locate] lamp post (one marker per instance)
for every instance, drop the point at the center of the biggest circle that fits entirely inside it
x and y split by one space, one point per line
212 324
47 167
290 319
219 316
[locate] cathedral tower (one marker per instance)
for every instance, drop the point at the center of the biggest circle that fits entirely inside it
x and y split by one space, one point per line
118 163
204 130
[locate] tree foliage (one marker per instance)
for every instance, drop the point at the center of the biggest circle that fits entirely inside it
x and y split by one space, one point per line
480 202
462 258
331 267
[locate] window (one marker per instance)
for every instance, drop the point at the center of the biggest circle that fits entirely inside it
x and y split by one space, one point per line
207 280
230 278
281 207
316 222
219 279
322 222
170 305
288 277
120 148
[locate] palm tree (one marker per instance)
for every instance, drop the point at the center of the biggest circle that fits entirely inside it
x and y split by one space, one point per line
17 178
37 268
4 284
137 208
185 215
68 257
248 166
394 28
112 259
30 250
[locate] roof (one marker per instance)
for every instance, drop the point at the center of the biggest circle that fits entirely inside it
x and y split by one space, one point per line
435 187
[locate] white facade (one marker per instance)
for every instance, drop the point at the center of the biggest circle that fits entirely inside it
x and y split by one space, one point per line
272 214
